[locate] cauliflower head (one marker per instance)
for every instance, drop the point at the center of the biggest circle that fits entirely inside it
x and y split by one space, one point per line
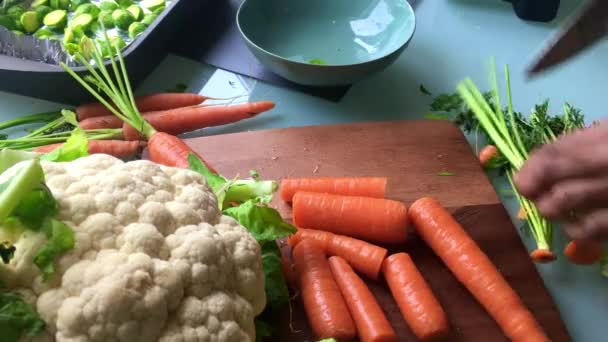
154 258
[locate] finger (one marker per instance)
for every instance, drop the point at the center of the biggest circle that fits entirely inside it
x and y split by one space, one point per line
578 155
578 194
544 167
593 225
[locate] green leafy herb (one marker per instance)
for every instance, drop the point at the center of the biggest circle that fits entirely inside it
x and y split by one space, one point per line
254 174
7 251
424 90
445 174
60 239
18 318
437 116
317 61
264 223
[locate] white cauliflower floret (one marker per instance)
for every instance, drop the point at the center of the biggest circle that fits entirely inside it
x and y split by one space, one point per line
154 259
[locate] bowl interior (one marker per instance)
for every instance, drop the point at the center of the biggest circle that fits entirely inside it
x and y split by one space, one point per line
336 32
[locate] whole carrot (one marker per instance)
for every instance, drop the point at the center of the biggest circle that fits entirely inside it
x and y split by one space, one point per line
364 257
584 252
325 307
348 186
370 321
370 219
169 150
116 148
145 103
183 120
416 301
474 270
101 122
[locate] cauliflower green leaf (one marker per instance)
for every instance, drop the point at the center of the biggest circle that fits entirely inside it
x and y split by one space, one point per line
263 222
16 182
277 293
60 239
18 318
234 191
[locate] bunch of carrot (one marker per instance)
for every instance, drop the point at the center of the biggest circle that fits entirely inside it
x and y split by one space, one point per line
172 113
338 218
164 115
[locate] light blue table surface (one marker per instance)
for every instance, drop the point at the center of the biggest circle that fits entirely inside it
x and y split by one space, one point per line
454 39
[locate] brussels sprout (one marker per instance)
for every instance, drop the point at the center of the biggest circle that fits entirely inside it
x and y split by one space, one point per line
108 5
88 9
122 19
136 29
30 21
56 20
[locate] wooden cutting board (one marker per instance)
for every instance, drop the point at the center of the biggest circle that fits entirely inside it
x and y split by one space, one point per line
414 155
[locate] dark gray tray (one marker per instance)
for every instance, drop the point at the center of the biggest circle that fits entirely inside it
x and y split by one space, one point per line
51 82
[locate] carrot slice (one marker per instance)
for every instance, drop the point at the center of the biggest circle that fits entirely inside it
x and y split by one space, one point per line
348 186
370 219
371 323
416 301
474 270
363 256
584 252
325 307
487 153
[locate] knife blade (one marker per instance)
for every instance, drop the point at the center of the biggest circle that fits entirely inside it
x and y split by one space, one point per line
587 28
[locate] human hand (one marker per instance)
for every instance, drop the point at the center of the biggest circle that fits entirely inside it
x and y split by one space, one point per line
568 180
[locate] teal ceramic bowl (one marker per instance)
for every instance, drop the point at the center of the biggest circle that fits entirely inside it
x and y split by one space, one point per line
326 42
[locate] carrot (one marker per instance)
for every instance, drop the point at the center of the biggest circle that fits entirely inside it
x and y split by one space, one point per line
190 119
145 103
116 148
487 153
370 321
325 307
362 256
348 186
474 270
417 303
169 150
584 252
370 219
101 122
542 256
182 120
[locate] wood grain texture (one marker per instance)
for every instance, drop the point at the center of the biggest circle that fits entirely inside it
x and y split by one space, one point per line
411 154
